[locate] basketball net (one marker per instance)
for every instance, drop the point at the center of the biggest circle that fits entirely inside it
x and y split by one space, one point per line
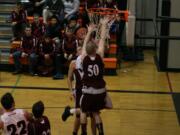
97 14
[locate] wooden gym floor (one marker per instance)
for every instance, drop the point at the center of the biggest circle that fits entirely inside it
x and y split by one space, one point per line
145 100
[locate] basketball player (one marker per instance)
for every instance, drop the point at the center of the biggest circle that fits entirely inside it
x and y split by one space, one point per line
40 124
94 91
13 121
75 70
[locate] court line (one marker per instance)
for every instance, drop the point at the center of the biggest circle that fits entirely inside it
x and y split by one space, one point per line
15 85
175 98
113 91
114 109
169 82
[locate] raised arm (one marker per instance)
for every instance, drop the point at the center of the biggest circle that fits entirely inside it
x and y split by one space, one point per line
91 28
103 34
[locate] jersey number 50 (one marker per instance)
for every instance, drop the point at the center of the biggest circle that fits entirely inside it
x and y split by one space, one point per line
93 70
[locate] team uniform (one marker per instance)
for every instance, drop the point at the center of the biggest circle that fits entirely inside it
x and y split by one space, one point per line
40 127
15 123
78 74
46 48
28 44
70 45
29 47
38 30
94 91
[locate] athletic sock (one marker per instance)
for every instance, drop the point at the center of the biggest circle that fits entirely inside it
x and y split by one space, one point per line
74 133
73 111
100 128
84 129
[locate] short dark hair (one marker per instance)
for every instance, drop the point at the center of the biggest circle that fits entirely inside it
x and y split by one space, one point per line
7 101
38 109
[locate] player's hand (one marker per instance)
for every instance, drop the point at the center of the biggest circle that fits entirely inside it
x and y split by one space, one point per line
107 19
11 55
92 27
70 57
46 56
65 55
23 55
37 4
72 97
14 23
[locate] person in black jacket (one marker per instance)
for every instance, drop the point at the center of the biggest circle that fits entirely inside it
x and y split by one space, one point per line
53 7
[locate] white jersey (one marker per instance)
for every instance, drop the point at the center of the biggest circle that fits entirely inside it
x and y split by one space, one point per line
79 62
15 123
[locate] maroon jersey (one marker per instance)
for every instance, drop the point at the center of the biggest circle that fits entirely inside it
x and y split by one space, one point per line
40 127
93 72
38 30
19 17
46 48
70 45
28 44
78 77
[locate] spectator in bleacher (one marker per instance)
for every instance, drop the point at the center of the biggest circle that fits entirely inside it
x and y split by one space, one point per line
26 50
53 7
80 35
71 8
102 4
59 62
54 29
70 42
18 19
46 49
38 27
54 32
40 124
38 6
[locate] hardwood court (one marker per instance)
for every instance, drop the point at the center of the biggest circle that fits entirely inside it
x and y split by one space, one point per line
143 104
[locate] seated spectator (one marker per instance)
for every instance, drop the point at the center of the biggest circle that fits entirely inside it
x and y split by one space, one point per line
54 29
38 27
69 45
70 42
53 7
59 62
12 117
40 124
102 4
27 49
92 3
46 49
54 32
18 19
38 6
107 3
80 35
71 8
73 24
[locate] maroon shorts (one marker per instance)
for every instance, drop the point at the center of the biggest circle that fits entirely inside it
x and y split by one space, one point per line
92 102
78 94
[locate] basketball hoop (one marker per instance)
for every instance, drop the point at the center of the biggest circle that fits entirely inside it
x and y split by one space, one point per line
96 13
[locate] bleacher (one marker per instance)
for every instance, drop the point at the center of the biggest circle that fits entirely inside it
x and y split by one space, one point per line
6 7
6 62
